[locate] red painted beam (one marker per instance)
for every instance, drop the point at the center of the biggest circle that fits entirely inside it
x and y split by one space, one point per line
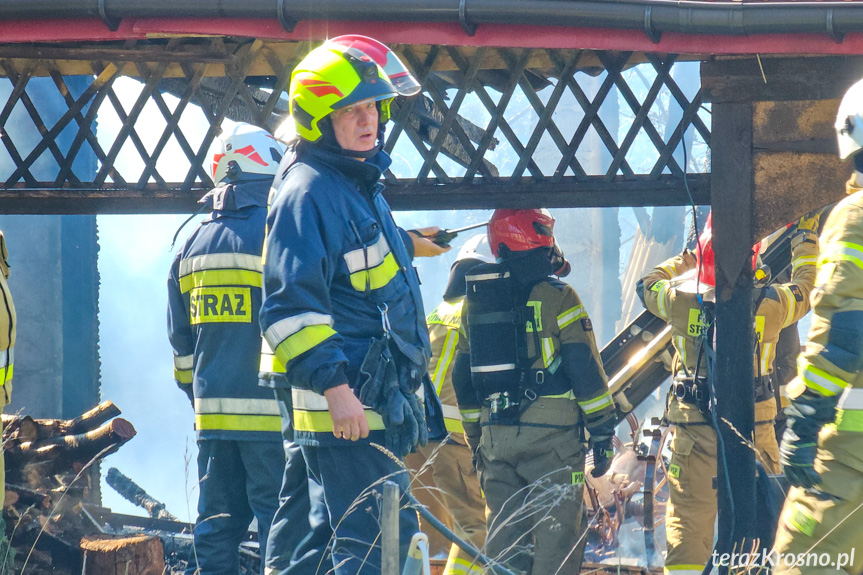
508 35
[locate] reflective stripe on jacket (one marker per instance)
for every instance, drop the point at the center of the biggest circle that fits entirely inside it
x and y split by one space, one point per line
8 328
214 294
833 358
334 258
444 323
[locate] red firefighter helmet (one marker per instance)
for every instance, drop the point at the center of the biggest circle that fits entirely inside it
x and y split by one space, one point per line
520 230
706 259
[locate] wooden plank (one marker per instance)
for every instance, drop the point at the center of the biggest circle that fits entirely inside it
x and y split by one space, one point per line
796 165
790 184
75 59
801 78
732 193
153 199
775 122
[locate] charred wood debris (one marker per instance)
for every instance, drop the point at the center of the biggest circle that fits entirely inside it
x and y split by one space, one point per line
54 524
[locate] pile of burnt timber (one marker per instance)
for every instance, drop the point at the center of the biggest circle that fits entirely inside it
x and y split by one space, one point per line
51 476
53 520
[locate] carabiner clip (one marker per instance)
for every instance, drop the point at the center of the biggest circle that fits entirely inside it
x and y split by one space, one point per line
385 320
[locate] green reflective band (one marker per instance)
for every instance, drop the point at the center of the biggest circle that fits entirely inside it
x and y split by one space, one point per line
566 395
661 288
570 315
6 374
376 277
596 404
803 261
446 357
321 422
206 278
790 301
680 346
459 566
303 341
183 376
470 415
271 364
453 425
577 477
849 420
679 568
448 314
821 381
224 422
843 251
802 520
547 351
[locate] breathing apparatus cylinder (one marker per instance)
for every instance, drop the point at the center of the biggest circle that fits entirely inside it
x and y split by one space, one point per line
497 330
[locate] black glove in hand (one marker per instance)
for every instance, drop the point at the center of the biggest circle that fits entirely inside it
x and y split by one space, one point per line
377 376
798 459
419 415
807 414
402 430
603 453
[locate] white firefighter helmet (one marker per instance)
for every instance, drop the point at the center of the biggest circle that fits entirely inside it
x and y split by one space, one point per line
246 150
476 248
849 121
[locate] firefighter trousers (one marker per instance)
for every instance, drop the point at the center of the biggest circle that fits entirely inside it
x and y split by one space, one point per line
296 546
691 510
352 478
819 530
532 474
238 480
456 479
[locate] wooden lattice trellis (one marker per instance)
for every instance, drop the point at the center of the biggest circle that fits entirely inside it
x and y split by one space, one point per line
244 80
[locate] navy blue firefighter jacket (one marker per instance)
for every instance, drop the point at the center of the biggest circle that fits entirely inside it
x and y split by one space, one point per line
214 296
333 259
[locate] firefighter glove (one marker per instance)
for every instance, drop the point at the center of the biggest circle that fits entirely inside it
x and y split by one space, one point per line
418 411
402 429
377 376
807 414
603 453
810 222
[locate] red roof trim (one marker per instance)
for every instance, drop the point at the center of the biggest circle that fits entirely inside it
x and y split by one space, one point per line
434 33
71 30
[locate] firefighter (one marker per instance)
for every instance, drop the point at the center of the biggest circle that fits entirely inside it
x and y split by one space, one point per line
8 321
342 310
822 448
528 377
681 291
214 294
451 460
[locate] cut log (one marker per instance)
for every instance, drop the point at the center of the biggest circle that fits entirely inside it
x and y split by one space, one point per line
123 555
69 453
27 497
132 492
23 429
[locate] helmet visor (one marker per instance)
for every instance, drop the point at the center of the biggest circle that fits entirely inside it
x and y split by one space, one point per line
400 77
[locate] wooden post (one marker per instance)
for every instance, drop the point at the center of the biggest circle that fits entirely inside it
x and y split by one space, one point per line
390 530
732 197
123 555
